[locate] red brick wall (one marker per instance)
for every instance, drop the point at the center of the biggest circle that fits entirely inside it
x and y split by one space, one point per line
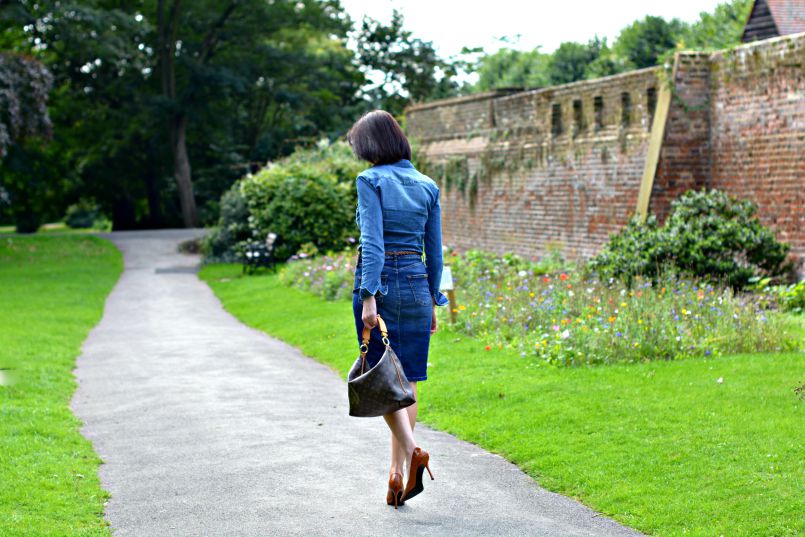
757 131
685 155
451 118
736 123
572 189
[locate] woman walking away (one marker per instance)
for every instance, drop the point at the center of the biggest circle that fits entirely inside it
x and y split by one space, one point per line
399 216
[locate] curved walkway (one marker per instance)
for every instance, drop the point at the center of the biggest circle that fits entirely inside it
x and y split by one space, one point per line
210 428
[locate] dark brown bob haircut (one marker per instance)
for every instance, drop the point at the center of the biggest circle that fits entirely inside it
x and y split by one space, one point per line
377 137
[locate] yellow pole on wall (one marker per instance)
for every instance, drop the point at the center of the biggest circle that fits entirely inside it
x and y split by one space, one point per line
654 147
451 295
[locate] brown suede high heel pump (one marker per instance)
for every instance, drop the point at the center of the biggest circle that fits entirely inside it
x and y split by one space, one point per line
419 463
394 495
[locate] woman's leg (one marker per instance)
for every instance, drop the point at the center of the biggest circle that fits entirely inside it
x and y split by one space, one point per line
399 455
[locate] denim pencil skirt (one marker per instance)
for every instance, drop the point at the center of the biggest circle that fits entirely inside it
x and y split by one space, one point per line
407 309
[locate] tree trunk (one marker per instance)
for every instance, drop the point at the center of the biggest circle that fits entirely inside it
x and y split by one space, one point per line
167 29
181 171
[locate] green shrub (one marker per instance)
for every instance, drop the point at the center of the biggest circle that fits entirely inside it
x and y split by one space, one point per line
220 245
86 214
81 215
301 204
792 297
639 249
707 234
713 234
306 198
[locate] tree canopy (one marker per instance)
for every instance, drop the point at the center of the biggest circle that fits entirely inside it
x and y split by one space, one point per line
151 109
644 43
405 68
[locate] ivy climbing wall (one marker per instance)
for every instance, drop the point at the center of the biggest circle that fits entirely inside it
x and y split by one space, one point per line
529 170
525 172
757 134
685 154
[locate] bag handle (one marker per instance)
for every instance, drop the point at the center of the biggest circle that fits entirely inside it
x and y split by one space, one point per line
364 348
367 332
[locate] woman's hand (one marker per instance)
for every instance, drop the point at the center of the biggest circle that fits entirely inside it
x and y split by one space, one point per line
433 321
369 315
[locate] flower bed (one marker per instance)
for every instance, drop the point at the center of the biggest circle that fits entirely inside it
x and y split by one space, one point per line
571 317
329 276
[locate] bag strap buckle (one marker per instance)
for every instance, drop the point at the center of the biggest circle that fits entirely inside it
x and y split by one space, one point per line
364 347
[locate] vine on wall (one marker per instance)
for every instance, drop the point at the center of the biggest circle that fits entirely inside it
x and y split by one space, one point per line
453 172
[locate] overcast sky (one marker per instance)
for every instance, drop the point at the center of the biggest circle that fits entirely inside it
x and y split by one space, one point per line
452 24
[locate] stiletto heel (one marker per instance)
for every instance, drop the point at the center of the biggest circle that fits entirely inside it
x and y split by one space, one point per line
395 492
429 472
419 462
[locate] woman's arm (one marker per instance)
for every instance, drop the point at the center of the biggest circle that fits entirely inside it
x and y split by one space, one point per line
433 252
372 249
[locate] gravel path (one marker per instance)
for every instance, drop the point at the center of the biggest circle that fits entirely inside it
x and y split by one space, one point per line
210 428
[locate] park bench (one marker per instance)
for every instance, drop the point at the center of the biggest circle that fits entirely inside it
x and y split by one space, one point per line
259 254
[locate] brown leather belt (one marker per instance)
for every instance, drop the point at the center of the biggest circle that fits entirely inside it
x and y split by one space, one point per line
392 254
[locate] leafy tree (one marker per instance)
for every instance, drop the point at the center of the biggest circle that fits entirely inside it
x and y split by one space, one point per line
606 62
197 34
144 88
404 68
25 128
104 137
571 60
512 68
24 87
721 29
641 43
33 185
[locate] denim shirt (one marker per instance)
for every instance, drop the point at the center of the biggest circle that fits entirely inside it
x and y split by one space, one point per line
398 209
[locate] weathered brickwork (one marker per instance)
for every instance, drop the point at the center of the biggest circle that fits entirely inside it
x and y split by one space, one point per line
563 165
757 131
571 188
685 155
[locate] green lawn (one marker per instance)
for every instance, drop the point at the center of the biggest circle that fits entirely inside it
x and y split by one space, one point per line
663 447
52 291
